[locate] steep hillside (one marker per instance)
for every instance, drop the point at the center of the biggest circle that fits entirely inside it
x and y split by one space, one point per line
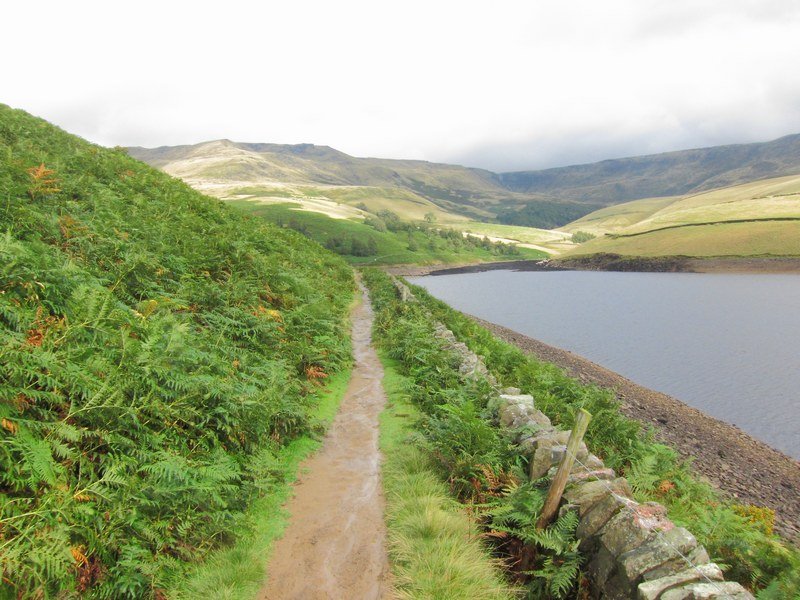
667 174
268 171
452 187
754 219
158 351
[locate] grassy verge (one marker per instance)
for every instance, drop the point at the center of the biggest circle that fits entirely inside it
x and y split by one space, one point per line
434 546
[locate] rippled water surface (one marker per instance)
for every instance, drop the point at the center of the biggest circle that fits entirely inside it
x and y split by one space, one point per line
726 344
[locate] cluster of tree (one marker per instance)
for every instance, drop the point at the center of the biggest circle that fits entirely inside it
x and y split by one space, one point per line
433 238
352 245
582 236
543 214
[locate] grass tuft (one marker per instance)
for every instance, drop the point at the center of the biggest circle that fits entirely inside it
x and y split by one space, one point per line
435 548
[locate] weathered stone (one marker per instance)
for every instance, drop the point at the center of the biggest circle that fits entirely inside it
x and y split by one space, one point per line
512 391
546 437
586 494
601 567
651 590
552 437
630 528
697 556
526 399
541 462
657 551
540 419
600 514
557 453
530 437
617 587
593 462
514 416
708 591
598 474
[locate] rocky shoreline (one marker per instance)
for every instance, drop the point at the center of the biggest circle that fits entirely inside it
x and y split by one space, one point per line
733 461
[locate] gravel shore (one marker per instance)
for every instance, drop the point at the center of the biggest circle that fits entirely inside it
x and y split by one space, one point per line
733 461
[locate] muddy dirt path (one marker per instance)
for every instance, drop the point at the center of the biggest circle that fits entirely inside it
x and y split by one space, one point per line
335 544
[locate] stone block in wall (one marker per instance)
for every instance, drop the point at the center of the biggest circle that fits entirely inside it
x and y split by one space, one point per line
630 528
525 399
517 412
579 474
543 459
662 554
652 590
728 590
586 494
600 514
696 556
545 436
601 567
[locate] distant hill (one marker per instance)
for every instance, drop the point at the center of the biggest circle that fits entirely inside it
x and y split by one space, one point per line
760 218
230 169
547 198
668 174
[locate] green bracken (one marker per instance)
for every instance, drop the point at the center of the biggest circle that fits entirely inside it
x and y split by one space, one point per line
158 351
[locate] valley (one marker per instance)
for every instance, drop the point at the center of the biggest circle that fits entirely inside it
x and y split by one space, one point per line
290 184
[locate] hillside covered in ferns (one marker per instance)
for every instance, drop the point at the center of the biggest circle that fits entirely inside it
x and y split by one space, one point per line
156 351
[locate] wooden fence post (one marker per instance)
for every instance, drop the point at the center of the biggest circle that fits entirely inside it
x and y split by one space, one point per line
564 467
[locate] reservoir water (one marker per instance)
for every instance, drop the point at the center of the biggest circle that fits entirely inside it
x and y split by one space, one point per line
727 344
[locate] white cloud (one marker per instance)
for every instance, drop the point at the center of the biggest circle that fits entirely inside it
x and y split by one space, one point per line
506 85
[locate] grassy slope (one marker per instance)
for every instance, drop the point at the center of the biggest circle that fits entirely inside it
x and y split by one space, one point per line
453 188
434 546
158 353
528 235
618 217
392 246
332 200
707 224
766 238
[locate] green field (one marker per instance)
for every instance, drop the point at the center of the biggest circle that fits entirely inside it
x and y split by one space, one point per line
758 238
390 247
761 218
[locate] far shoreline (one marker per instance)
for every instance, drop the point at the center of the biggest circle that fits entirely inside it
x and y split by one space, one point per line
616 263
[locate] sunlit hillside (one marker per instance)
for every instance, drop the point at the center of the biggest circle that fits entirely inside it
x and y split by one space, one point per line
758 218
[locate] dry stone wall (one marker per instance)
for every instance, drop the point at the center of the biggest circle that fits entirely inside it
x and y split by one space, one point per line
633 549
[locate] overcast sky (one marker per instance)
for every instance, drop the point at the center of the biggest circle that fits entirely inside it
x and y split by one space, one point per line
500 85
